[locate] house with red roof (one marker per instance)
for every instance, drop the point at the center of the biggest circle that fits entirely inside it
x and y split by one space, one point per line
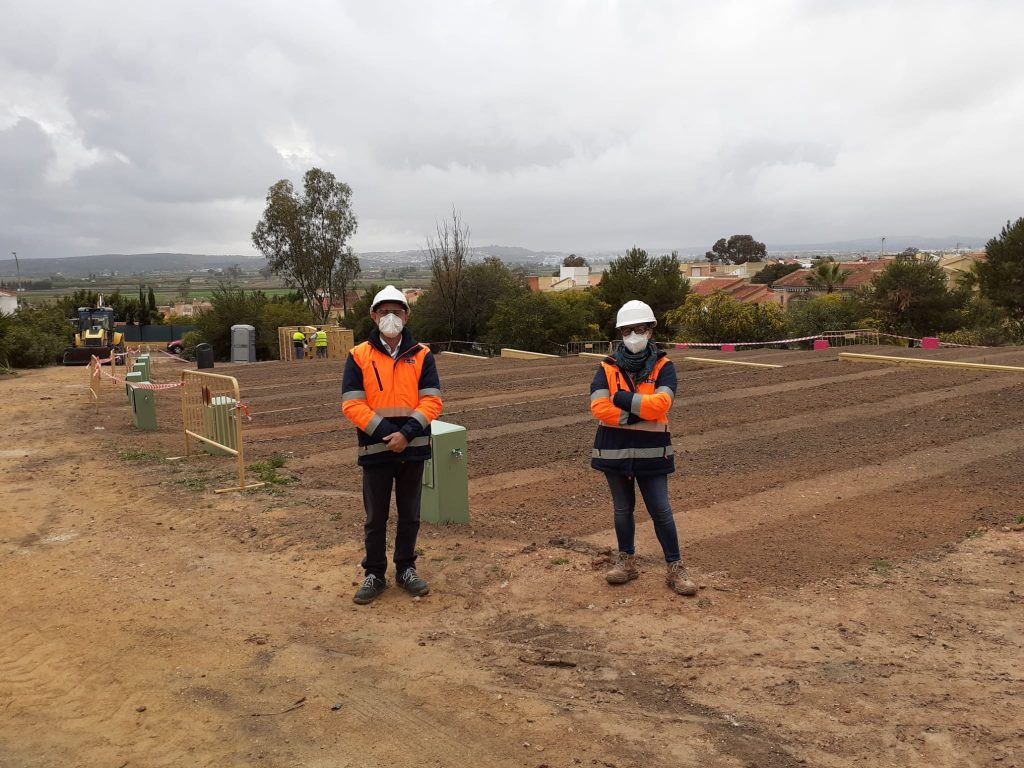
795 285
737 288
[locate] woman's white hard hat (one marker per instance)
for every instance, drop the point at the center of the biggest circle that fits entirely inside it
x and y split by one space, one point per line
633 313
389 293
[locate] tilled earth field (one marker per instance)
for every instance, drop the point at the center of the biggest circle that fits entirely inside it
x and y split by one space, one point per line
855 529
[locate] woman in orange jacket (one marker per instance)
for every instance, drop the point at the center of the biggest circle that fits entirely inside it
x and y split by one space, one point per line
631 396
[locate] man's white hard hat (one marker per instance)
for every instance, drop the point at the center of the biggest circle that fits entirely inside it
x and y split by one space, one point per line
633 313
389 293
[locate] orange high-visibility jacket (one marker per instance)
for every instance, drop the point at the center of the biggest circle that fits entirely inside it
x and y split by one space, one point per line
381 395
633 436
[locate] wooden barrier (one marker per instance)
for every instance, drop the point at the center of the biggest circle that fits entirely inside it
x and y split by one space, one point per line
519 354
597 355
339 342
856 357
210 413
95 379
715 361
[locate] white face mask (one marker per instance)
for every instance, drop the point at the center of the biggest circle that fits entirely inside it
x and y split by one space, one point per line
391 325
635 342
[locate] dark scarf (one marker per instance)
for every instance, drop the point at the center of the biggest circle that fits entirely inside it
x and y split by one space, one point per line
638 365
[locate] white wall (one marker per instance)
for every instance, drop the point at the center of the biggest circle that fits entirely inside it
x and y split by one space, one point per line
8 304
579 275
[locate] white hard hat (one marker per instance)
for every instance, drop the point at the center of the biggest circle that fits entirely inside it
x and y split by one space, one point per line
633 313
389 293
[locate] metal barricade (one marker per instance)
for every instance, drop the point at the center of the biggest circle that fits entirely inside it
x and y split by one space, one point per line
211 413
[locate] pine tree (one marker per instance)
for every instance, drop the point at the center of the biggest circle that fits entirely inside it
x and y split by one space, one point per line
1000 276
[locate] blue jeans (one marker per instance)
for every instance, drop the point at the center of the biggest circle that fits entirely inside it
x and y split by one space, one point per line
654 489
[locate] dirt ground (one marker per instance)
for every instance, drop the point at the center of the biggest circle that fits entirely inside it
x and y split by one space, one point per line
855 529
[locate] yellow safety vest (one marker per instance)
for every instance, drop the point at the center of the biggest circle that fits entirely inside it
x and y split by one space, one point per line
299 337
321 338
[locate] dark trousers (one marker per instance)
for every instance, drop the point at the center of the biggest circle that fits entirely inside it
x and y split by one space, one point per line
406 478
654 489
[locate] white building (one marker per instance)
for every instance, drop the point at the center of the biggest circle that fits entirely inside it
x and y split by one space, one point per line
8 301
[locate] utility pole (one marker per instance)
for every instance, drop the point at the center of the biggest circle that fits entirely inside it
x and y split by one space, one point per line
18 268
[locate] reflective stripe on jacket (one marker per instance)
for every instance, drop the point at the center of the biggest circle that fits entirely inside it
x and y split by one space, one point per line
381 395
633 436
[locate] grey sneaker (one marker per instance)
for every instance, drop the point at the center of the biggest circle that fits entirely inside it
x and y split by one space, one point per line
370 589
411 582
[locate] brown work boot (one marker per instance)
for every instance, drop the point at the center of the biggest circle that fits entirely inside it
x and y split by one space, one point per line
624 569
679 580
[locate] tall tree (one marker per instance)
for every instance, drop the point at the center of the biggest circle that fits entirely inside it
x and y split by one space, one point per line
572 260
827 276
484 284
912 297
635 275
1000 277
738 249
303 237
345 275
449 256
773 272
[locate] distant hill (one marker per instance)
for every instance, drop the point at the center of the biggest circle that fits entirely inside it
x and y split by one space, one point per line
893 244
508 254
171 263
80 266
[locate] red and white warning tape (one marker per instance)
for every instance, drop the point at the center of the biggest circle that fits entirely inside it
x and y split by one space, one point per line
240 406
142 384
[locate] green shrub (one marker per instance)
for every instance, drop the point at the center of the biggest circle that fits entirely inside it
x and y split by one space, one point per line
33 337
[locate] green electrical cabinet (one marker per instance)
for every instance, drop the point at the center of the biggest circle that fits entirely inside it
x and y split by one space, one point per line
445 482
143 364
219 424
133 377
143 408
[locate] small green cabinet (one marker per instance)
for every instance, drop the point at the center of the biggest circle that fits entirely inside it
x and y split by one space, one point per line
445 480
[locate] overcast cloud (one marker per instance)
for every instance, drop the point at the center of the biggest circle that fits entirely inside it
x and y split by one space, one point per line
133 127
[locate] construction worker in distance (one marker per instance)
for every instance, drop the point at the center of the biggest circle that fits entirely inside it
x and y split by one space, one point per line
391 392
631 395
320 339
298 343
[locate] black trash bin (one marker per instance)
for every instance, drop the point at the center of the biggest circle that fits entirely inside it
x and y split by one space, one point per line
204 356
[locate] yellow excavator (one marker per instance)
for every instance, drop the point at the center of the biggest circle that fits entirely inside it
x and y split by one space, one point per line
94 335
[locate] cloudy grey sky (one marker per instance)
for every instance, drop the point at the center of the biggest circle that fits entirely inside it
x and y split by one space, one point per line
131 127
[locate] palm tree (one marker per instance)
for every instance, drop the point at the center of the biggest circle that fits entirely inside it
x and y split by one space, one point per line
827 276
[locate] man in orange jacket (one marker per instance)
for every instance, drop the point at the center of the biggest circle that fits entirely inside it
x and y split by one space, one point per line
391 392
